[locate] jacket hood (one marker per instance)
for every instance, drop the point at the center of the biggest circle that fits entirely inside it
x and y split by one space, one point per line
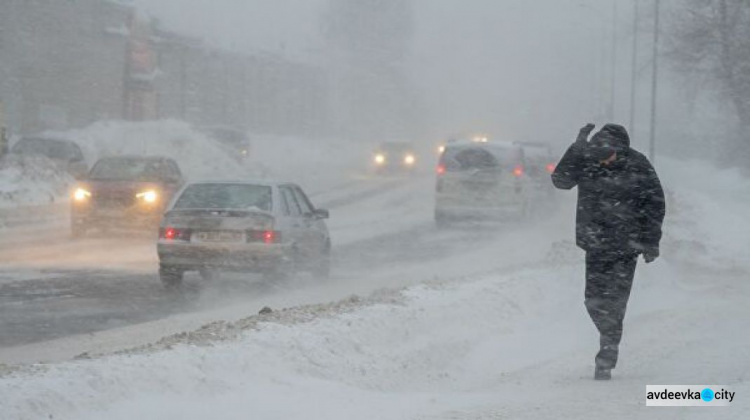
612 135
610 139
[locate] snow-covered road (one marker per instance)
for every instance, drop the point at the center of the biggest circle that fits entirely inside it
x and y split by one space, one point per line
84 293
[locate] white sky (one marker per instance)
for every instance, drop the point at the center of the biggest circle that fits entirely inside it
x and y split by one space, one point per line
512 68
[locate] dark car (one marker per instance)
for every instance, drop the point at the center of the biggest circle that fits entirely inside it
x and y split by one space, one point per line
234 141
540 161
65 153
395 157
477 180
539 164
264 227
124 192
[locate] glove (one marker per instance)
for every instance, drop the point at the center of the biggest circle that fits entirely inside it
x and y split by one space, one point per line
583 135
650 254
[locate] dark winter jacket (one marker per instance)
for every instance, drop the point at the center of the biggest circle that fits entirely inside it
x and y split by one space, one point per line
621 205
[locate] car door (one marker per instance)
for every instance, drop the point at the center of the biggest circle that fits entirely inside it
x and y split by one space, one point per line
293 226
77 163
315 231
172 180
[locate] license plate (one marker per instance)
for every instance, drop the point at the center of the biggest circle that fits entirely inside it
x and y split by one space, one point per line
109 212
220 236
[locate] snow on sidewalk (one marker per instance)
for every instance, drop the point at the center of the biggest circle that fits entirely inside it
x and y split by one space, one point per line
518 345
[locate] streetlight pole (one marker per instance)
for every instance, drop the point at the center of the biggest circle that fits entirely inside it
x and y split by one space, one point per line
654 84
613 87
634 69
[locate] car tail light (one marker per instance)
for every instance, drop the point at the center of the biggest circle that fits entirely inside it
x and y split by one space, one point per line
551 167
518 170
440 169
265 236
174 234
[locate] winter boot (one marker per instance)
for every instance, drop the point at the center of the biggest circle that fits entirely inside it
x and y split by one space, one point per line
602 373
607 356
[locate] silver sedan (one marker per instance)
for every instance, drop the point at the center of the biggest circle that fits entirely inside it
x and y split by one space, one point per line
270 228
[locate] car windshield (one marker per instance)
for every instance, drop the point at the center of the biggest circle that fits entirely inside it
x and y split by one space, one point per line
225 196
395 148
54 149
479 157
234 139
127 169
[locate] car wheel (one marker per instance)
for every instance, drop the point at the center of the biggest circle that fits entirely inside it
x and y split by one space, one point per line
276 274
441 221
283 270
526 210
209 274
171 277
321 268
78 231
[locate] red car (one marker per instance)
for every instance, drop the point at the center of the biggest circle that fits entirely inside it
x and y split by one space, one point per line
124 192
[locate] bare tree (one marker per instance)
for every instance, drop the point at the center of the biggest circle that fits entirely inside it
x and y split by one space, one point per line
711 42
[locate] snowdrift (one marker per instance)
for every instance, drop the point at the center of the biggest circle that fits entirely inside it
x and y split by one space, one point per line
31 180
316 164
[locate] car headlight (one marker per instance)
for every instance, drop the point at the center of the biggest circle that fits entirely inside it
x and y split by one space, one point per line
80 194
441 149
380 159
148 196
409 159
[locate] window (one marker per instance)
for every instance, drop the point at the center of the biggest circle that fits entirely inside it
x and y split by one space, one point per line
225 196
53 149
174 171
291 202
480 158
304 203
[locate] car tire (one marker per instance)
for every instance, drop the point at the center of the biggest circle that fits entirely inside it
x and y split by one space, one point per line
281 271
276 274
78 230
321 268
209 274
441 221
171 277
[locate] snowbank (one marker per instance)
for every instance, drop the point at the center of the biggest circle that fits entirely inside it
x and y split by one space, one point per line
707 210
36 180
390 356
518 344
318 165
315 163
31 180
198 156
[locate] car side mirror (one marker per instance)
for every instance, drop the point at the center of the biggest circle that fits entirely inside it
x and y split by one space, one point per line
321 214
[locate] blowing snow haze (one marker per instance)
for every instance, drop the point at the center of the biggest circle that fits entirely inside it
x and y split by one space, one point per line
374 209
482 65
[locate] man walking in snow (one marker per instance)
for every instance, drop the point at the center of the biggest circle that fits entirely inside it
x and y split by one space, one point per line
619 216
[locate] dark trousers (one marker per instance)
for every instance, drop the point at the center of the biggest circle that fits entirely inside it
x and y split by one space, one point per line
609 278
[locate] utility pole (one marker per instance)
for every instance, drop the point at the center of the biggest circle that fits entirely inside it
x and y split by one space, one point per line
654 84
182 51
634 68
613 87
